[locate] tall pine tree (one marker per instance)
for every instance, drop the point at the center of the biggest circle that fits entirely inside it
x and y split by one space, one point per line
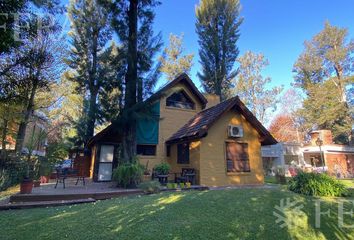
132 22
217 26
89 34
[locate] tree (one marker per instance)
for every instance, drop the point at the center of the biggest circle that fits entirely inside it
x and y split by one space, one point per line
251 86
326 64
322 110
133 24
173 63
13 11
329 55
283 129
217 26
40 64
89 34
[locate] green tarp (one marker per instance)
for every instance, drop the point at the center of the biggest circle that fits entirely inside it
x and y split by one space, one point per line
147 129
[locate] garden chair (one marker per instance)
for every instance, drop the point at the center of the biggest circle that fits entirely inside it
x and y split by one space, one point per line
62 174
187 175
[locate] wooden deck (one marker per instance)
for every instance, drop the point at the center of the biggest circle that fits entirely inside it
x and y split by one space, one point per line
46 195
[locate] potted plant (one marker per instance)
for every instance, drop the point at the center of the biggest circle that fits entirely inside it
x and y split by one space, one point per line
36 183
45 170
26 184
188 184
162 169
181 185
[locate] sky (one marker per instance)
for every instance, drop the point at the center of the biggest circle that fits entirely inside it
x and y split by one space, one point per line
276 28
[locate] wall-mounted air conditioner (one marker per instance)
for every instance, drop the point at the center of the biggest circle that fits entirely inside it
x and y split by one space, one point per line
235 131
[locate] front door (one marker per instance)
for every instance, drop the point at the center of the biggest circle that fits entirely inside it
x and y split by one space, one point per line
105 165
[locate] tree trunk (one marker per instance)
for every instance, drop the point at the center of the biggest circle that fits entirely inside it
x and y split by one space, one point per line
91 118
93 87
27 114
129 139
3 139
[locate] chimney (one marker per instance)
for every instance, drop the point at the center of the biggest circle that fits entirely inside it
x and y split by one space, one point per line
324 135
213 99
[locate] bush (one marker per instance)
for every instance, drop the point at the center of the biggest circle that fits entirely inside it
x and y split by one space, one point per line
150 187
162 168
316 184
12 172
128 174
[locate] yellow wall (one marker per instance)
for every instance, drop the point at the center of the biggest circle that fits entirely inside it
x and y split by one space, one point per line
172 119
194 159
213 154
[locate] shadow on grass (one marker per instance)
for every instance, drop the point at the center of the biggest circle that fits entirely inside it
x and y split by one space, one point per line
223 214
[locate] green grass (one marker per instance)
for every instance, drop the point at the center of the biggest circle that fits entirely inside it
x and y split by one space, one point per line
224 214
272 180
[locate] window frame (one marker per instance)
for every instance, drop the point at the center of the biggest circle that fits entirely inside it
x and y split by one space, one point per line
186 157
143 152
233 161
191 103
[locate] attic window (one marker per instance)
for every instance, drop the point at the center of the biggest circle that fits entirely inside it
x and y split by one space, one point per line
180 100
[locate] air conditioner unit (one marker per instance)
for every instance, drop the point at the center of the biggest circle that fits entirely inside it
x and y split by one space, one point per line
235 131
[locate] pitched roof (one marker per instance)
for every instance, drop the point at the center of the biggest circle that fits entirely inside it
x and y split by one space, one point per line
183 78
198 126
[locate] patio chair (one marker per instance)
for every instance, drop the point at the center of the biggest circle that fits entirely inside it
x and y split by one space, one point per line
187 175
61 176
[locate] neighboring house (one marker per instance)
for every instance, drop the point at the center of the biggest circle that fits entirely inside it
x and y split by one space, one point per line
221 141
338 159
282 154
35 136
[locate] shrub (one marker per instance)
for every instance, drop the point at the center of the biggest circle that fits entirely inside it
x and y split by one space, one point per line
150 187
162 168
128 174
12 172
316 184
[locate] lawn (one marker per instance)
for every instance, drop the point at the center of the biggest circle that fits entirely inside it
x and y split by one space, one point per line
222 214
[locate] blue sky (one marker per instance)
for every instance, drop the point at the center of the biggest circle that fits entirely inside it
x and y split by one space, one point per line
277 28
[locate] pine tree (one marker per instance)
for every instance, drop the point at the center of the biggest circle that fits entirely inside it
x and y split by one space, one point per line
173 63
217 26
133 24
89 34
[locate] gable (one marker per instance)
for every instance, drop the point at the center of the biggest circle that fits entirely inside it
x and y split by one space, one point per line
198 126
182 81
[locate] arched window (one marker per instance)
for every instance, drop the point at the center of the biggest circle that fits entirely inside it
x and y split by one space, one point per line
180 100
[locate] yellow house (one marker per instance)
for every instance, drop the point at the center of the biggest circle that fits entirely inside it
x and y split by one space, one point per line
219 142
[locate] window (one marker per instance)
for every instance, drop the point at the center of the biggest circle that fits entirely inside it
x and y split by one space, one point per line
168 150
146 150
183 153
237 157
180 100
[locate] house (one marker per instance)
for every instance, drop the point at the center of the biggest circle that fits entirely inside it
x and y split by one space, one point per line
338 159
35 139
221 141
282 154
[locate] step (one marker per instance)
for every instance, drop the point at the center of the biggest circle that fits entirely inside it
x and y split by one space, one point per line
72 196
26 205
